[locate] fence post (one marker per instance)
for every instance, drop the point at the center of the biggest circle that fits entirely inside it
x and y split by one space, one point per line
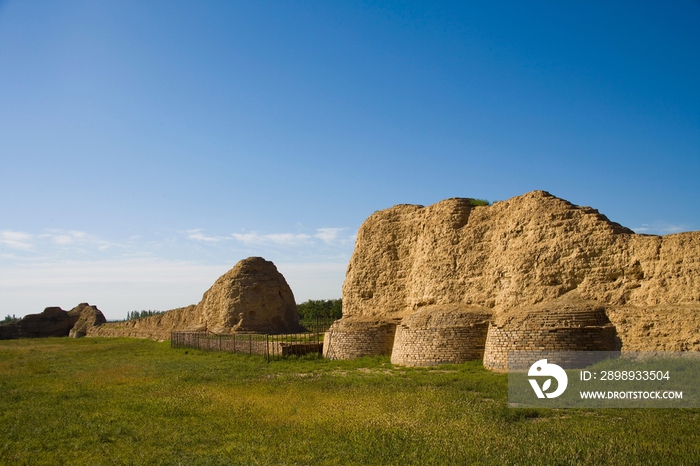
250 344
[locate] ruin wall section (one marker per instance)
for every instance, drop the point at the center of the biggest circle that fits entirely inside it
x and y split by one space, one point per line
518 253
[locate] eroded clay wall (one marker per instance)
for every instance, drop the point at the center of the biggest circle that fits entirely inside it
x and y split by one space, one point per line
521 252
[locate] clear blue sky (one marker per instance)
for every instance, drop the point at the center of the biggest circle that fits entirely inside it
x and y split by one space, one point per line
147 146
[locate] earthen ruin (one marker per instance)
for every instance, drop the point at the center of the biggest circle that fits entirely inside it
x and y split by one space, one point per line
551 275
54 322
251 297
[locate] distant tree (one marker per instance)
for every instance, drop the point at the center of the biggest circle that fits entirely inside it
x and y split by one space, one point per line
9 318
321 308
133 315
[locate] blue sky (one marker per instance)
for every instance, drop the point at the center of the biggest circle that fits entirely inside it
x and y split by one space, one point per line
146 147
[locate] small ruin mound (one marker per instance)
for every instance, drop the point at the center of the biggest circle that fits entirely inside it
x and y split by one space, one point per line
441 334
251 297
54 322
83 317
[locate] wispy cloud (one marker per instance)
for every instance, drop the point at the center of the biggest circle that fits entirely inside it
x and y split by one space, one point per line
16 240
197 235
53 241
660 228
65 238
284 239
328 235
76 238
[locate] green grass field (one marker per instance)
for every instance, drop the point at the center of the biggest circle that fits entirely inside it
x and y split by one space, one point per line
124 401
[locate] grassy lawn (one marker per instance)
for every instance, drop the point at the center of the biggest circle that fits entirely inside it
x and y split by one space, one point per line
125 401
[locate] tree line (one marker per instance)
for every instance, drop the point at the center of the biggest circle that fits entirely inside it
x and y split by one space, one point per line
321 308
141 314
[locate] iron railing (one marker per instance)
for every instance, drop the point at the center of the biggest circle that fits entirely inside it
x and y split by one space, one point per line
272 346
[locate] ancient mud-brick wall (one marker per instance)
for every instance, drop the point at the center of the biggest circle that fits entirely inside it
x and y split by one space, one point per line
352 339
522 252
440 334
539 330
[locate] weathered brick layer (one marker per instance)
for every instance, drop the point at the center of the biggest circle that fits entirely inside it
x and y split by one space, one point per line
441 334
347 339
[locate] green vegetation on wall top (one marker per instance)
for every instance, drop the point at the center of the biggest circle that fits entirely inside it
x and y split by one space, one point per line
479 202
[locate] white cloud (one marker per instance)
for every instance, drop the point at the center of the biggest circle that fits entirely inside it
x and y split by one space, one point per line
286 239
327 235
660 228
199 236
667 230
16 240
67 238
62 239
75 239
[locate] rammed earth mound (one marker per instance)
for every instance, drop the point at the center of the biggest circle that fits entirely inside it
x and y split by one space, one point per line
533 252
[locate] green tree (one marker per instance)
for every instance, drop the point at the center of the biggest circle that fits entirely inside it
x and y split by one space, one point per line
320 308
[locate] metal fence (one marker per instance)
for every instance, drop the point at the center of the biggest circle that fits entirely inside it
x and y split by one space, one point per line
272 346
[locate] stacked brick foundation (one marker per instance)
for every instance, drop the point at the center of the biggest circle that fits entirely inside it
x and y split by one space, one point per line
438 336
349 339
533 332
